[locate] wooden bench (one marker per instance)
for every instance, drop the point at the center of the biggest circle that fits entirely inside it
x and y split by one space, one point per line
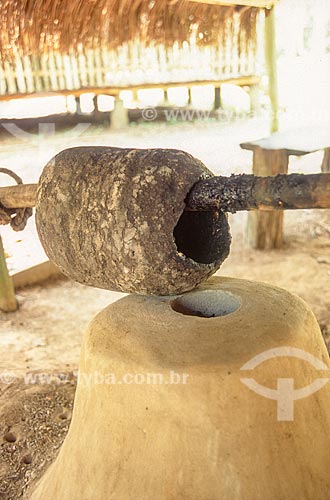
271 157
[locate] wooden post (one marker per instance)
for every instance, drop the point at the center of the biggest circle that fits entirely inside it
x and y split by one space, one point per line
189 97
217 98
255 104
97 113
8 301
325 167
95 104
78 106
265 229
119 116
165 98
135 97
271 66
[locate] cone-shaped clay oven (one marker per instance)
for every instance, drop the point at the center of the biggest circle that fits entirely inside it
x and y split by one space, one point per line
164 411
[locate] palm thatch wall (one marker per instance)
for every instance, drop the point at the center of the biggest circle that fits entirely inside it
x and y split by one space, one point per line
49 45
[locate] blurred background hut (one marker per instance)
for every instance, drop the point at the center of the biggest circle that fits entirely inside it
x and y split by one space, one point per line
56 45
106 46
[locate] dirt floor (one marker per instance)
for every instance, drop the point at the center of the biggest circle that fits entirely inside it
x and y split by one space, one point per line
40 343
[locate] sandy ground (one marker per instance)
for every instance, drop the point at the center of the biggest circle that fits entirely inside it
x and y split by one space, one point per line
44 336
46 331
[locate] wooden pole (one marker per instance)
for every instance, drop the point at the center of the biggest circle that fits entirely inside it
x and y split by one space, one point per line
8 301
271 66
230 194
19 196
250 192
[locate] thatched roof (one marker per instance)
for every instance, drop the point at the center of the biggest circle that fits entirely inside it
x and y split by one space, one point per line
60 45
261 4
37 26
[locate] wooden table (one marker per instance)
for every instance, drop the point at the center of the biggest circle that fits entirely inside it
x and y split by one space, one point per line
271 157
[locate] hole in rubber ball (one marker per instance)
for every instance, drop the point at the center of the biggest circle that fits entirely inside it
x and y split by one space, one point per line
203 236
206 304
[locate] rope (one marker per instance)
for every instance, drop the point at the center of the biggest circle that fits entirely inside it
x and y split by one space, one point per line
16 217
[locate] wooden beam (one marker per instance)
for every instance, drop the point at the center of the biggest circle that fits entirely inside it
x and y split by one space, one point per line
114 90
262 4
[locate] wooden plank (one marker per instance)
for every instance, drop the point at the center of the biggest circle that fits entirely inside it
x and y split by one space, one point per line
75 71
35 66
250 3
99 68
8 301
20 76
60 72
82 69
91 67
36 274
297 142
265 229
28 75
45 72
3 82
67 72
10 78
52 71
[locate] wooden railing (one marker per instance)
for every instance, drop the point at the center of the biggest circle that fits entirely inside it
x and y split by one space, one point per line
131 65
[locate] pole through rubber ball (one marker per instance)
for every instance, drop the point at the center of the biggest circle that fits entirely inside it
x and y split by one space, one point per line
115 218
